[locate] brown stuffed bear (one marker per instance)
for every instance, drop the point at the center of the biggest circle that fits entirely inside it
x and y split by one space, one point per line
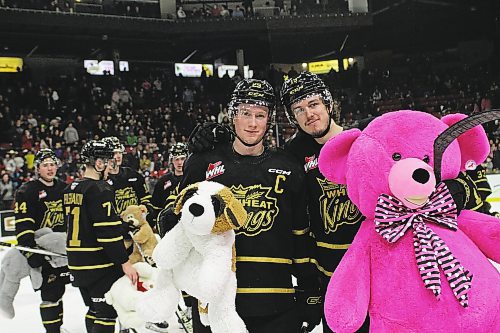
142 235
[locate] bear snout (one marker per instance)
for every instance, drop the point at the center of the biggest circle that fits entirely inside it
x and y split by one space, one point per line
421 176
196 209
412 181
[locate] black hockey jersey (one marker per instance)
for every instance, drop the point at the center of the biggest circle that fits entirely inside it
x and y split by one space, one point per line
130 189
334 219
95 232
275 242
38 206
164 188
476 197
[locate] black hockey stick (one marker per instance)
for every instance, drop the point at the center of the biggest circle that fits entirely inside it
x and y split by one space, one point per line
446 138
33 250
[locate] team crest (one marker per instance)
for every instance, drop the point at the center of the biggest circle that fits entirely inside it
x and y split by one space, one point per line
42 194
335 207
167 184
214 170
125 197
53 214
261 208
310 163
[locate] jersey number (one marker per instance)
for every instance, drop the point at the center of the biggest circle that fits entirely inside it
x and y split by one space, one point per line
20 208
74 220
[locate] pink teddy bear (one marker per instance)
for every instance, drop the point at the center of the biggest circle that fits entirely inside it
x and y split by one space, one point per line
414 266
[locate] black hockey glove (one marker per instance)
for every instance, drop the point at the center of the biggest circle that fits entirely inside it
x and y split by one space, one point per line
464 192
35 259
310 304
52 276
166 220
204 137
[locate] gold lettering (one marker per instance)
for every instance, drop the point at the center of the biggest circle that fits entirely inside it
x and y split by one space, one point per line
73 199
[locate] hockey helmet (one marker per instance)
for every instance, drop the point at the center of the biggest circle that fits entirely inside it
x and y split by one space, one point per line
95 149
254 92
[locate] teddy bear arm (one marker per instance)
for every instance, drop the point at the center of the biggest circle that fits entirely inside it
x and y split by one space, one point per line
348 294
483 230
143 235
173 248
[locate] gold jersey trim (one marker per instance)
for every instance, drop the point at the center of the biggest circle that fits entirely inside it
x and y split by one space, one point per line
83 249
265 290
50 305
109 240
264 259
320 268
51 321
103 224
19 235
82 268
333 246
146 198
25 219
300 232
301 260
105 323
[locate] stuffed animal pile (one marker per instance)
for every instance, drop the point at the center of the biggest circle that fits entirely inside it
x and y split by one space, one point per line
15 267
415 265
198 257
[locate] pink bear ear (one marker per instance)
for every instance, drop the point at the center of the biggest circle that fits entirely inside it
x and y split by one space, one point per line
474 144
333 156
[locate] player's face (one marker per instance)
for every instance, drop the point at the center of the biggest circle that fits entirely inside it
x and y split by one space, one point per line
178 162
48 169
311 114
118 158
250 122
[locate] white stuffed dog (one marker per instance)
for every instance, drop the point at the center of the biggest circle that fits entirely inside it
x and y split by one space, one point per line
123 295
198 256
15 267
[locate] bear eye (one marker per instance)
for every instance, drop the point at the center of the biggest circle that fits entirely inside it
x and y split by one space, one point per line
426 159
396 156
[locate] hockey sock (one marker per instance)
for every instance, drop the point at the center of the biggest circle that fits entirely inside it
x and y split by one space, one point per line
104 325
52 314
89 320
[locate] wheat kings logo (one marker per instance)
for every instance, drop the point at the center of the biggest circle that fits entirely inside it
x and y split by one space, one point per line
260 206
335 207
125 197
53 214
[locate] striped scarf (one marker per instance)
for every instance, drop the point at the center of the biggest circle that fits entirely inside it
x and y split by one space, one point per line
393 219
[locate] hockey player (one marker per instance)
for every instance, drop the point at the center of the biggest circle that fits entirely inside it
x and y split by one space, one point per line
275 242
166 185
129 185
38 204
96 252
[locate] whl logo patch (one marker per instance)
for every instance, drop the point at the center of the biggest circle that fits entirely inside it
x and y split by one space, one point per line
214 170
310 163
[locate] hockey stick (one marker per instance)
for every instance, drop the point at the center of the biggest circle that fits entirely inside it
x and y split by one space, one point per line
454 131
32 250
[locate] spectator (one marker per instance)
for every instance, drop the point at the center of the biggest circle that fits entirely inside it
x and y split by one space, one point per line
71 134
6 191
238 12
180 13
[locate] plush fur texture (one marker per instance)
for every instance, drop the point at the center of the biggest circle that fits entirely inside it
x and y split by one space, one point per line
197 256
123 295
383 279
144 240
15 267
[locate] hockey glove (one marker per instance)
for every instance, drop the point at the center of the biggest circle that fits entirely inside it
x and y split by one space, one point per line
204 137
310 304
35 259
464 192
54 276
166 221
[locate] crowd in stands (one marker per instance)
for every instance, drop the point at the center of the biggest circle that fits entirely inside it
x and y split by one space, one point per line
187 9
150 111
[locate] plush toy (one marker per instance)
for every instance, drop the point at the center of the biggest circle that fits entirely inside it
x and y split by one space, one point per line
144 240
198 257
15 267
123 295
414 266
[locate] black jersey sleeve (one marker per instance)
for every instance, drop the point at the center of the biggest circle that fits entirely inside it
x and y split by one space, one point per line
304 269
26 224
107 226
142 191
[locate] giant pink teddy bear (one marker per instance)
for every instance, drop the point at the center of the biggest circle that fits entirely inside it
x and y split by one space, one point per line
410 267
